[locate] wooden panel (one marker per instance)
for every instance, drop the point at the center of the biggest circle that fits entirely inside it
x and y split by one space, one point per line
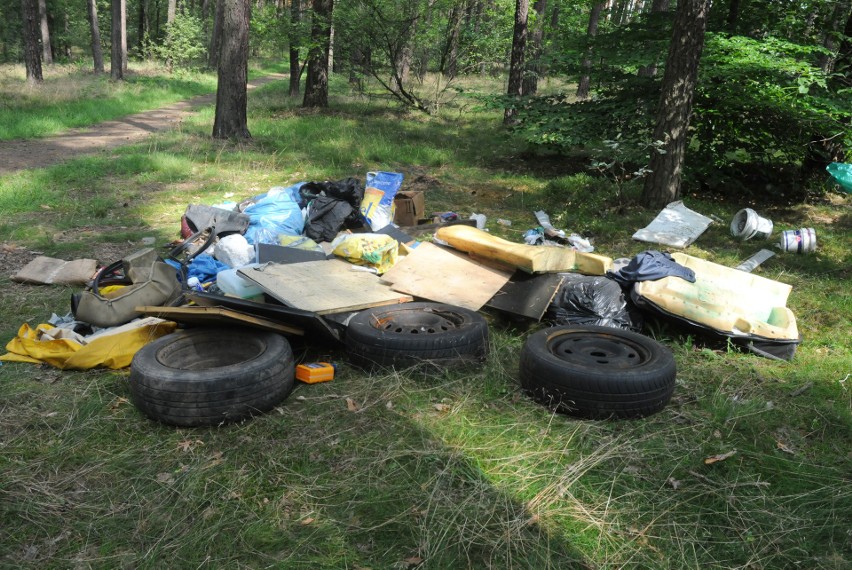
217 316
323 287
444 276
527 295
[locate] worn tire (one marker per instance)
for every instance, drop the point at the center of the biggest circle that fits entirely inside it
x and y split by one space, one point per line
411 333
206 376
597 372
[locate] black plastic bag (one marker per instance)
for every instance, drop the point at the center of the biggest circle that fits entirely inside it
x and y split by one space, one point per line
585 300
326 217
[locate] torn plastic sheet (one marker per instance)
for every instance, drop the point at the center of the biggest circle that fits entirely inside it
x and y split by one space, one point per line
675 226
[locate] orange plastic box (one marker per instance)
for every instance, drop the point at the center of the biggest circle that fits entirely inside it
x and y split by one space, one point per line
315 372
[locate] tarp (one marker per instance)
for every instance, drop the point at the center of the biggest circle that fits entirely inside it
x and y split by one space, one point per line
111 348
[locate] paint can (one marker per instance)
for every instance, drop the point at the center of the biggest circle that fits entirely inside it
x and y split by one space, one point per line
749 224
798 241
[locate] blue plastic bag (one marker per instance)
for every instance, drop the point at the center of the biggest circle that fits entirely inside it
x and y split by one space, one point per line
377 205
274 214
842 174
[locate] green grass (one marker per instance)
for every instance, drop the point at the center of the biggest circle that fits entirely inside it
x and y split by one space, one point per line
439 470
70 98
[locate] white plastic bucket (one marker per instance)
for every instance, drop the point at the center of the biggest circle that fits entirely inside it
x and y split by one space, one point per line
798 241
749 224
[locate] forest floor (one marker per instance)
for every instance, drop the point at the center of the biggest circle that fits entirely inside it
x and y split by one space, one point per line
18 155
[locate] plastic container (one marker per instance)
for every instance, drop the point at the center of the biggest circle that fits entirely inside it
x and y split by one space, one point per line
798 241
231 283
314 372
749 224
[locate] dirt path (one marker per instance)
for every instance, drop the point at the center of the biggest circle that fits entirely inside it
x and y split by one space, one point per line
38 153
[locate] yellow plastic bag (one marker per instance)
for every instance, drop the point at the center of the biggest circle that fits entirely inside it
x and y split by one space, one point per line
373 250
111 348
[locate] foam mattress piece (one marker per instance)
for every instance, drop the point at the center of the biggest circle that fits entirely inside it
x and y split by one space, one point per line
725 299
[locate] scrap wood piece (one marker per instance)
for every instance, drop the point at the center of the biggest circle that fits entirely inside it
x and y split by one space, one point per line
49 271
529 258
444 276
217 316
527 295
323 287
319 328
675 226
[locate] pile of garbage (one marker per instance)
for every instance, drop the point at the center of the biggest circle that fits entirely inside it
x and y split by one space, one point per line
361 266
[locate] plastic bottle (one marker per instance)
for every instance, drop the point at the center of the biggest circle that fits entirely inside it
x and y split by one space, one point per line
231 283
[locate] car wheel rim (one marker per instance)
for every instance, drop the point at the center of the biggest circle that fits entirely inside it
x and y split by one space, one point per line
417 322
587 350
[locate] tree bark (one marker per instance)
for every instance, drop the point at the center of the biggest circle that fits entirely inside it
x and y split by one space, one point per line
97 53
230 121
832 36
46 52
118 54
675 107
450 54
32 57
295 68
516 64
216 36
534 67
316 83
584 85
171 10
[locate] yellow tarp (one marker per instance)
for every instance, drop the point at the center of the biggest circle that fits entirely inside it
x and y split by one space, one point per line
113 348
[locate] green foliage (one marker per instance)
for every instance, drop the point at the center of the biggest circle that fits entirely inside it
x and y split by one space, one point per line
183 46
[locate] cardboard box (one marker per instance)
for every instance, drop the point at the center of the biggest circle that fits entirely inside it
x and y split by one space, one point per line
409 207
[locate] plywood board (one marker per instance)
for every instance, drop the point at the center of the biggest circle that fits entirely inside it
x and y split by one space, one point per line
47 270
444 276
315 326
527 295
323 287
217 316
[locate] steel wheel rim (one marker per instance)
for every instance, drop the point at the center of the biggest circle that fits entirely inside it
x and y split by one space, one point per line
597 350
417 322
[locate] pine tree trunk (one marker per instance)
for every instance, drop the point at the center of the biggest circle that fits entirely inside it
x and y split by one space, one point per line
118 54
316 83
171 11
295 69
46 52
142 29
675 107
97 53
584 86
32 57
534 67
516 64
230 121
216 36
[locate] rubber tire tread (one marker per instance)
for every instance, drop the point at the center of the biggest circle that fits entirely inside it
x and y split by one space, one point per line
175 379
585 392
370 347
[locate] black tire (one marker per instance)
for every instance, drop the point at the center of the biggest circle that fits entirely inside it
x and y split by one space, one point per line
207 376
411 333
597 372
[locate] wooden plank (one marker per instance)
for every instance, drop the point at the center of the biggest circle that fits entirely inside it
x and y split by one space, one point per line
47 271
323 287
527 295
316 326
529 258
217 316
445 276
